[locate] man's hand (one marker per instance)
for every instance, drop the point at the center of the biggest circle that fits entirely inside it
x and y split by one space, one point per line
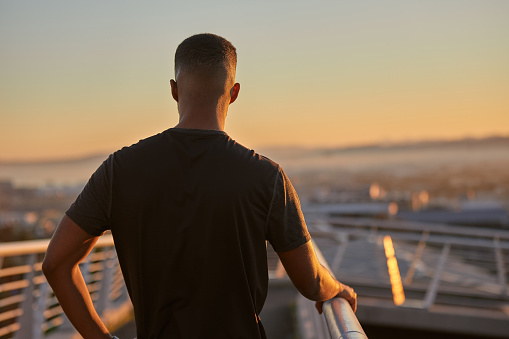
347 293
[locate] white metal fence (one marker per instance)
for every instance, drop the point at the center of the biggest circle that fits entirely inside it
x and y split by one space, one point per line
455 278
28 307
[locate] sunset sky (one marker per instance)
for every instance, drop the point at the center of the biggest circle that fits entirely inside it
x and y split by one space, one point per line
85 77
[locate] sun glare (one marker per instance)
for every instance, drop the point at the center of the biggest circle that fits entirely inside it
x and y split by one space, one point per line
394 275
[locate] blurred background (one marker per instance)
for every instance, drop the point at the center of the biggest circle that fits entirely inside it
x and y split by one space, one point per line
381 112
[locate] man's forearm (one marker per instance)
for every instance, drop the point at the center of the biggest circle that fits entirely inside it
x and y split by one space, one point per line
312 279
328 286
332 288
72 294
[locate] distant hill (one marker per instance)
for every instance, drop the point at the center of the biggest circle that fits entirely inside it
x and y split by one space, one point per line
296 151
495 141
468 142
63 161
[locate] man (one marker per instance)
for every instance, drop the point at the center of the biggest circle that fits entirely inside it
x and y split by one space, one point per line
190 211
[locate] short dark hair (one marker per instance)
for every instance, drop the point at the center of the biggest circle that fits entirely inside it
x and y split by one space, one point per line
205 53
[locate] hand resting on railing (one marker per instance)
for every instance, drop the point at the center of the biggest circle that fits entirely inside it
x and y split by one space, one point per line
347 293
312 279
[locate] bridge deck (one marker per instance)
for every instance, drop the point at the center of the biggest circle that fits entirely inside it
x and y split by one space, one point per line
468 295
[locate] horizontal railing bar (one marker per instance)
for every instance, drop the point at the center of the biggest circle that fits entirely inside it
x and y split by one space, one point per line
9 329
99 256
14 285
10 314
433 238
39 279
12 300
93 287
40 246
6 272
52 312
420 227
23 247
115 294
341 320
57 321
95 267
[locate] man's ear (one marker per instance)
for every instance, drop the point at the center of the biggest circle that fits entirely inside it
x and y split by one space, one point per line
174 90
234 92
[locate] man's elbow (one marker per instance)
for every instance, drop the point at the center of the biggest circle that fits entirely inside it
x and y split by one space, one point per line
51 267
48 266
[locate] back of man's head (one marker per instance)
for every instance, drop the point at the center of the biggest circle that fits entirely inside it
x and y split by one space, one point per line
207 55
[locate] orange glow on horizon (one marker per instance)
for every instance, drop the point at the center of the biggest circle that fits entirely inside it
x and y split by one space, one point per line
94 87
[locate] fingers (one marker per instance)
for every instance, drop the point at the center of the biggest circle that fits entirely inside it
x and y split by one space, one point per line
353 302
349 295
318 306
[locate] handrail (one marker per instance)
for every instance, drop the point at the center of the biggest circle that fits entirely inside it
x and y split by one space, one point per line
36 299
29 308
40 246
340 318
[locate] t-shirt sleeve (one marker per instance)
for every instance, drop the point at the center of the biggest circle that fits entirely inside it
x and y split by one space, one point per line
286 227
91 210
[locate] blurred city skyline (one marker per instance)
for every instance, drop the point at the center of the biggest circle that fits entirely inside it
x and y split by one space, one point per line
90 77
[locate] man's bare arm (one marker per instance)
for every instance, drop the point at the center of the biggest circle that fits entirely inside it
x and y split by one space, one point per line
312 279
71 244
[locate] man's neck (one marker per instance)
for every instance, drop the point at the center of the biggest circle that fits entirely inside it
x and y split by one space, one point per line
197 122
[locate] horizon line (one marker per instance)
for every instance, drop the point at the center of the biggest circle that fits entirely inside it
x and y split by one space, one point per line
381 144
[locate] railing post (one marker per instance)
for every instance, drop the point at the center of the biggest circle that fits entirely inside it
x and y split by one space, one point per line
500 267
338 257
40 307
431 293
104 295
26 322
418 253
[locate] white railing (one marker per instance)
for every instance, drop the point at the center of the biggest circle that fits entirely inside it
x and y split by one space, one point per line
446 272
483 249
338 321
340 318
28 307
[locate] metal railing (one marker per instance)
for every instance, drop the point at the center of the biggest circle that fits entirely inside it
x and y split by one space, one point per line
338 321
482 251
28 307
340 318
447 272
439 264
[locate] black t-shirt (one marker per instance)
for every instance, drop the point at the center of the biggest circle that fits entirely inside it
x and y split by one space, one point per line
190 212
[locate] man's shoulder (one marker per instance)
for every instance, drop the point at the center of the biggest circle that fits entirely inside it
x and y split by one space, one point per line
255 158
142 144
142 149
225 149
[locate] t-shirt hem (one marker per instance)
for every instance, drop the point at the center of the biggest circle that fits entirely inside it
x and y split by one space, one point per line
83 224
293 245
